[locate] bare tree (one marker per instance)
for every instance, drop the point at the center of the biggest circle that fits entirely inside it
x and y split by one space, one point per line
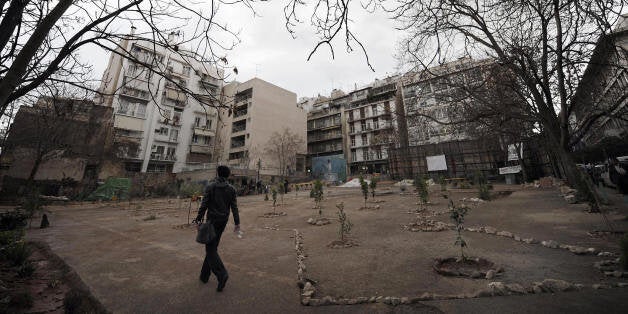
282 148
41 40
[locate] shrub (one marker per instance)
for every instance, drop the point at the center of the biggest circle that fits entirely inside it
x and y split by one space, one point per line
623 246
190 189
365 189
17 253
317 193
8 237
484 192
345 224
443 183
457 216
12 220
373 186
423 192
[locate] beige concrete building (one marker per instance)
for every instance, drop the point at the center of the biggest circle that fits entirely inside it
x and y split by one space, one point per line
259 109
164 106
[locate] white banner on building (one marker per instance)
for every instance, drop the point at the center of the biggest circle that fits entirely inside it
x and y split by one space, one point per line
512 151
510 170
436 163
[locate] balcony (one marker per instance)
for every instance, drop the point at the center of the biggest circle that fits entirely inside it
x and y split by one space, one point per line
323 137
200 148
324 126
240 113
237 144
199 130
166 138
126 153
135 82
135 93
175 95
162 157
209 82
326 149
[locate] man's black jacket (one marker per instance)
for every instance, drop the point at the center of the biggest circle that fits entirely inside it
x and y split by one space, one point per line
219 197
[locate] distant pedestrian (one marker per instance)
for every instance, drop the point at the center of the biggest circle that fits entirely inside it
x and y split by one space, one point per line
285 185
219 199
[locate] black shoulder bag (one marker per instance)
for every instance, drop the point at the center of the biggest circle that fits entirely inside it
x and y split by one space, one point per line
206 232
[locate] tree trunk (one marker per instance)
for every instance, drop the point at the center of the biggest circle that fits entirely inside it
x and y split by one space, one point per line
31 176
578 180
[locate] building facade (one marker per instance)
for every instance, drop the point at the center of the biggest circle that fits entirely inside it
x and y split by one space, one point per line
164 105
325 144
371 126
602 92
259 111
59 139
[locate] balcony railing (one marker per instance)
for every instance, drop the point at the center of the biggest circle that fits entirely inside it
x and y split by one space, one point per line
323 137
240 113
238 128
200 148
135 93
237 144
162 157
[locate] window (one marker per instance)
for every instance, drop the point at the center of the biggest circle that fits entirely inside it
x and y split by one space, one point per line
162 131
195 139
206 140
362 112
350 115
197 121
171 151
141 110
124 107
354 155
351 128
352 140
186 70
364 140
363 125
378 153
375 123
374 110
365 154
208 124
174 134
176 118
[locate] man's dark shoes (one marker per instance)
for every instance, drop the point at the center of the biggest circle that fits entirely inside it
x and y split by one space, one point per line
221 283
203 280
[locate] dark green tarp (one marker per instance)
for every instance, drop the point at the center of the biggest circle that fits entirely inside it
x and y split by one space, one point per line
114 188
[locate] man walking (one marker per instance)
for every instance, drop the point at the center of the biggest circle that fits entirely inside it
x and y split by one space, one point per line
219 197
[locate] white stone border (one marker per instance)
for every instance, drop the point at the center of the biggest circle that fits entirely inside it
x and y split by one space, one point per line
496 288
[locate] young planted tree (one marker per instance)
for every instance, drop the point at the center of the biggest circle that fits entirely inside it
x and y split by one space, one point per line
457 216
422 190
365 189
273 192
443 184
373 186
345 224
317 193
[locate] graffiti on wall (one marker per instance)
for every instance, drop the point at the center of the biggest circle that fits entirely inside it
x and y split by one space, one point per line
332 168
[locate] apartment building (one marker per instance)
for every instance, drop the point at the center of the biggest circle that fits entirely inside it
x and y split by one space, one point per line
371 126
259 110
602 91
59 139
431 93
163 102
325 145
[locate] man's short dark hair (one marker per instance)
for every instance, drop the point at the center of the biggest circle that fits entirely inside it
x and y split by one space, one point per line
223 171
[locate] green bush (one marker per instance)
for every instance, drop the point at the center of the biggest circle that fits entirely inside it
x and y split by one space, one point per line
17 253
12 220
190 189
464 185
8 237
623 246
484 192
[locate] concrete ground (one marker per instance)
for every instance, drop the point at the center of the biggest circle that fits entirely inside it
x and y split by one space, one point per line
136 264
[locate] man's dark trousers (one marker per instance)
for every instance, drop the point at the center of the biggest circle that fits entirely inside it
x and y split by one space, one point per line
212 262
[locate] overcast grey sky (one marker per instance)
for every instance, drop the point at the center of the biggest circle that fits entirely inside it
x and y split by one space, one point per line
269 52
